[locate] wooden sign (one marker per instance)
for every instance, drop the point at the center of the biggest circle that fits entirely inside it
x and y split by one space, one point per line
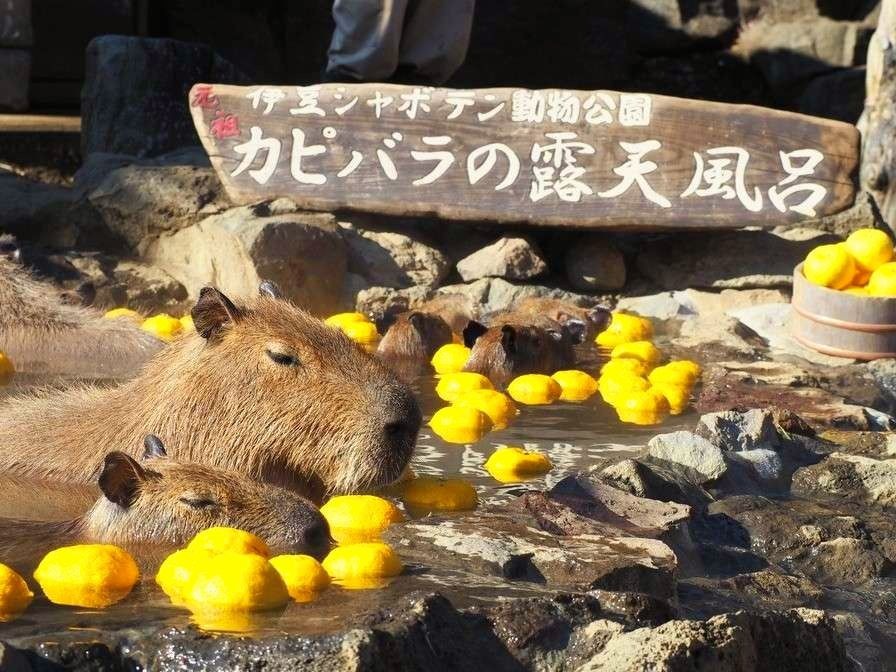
564 158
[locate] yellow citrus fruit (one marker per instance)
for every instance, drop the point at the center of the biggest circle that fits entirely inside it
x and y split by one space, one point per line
625 365
625 328
163 326
235 582
426 493
303 575
861 278
678 396
87 575
15 595
830 266
177 571
858 291
512 464
611 386
883 281
238 622
452 385
216 540
692 368
123 312
7 369
869 248
186 324
575 385
362 333
673 373
354 518
534 389
496 405
460 424
643 351
341 319
450 358
648 407
363 565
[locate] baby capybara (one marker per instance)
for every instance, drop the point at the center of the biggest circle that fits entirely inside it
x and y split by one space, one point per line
264 389
504 352
582 324
415 335
43 332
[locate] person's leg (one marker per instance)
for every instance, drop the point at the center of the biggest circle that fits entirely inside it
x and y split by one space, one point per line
366 39
436 36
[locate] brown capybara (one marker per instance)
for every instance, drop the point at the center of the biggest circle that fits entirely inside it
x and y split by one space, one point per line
581 324
264 389
504 352
43 332
415 335
161 501
456 309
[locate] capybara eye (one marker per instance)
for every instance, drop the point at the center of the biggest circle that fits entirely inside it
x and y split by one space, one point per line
282 358
198 502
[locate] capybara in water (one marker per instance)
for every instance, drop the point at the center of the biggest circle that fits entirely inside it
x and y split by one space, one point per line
504 352
415 335
42 332
581 324
264 389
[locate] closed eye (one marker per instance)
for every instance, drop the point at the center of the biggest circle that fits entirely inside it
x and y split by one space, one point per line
282 358
198 502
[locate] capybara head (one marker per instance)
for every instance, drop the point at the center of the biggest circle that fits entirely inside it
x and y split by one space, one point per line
504 352
581 324
415 335
161 500
270 391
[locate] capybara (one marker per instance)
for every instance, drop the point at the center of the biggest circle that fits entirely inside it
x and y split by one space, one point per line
504 352
415 335
581 324
264 389
43 332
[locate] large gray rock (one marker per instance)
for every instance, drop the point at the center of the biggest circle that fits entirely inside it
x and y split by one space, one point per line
496 294
390 259
125 206
847 105
864 214
511 258
134 99
800 639
855 477
688 450
720 260
594 263
791 52
302 253
36 211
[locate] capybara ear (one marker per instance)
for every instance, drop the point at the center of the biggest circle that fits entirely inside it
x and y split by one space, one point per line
212 311
472 331
270 290
600 317
153 447
417 320
576 329
121 478
508 339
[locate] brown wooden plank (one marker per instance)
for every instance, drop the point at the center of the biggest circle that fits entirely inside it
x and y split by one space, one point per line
624 160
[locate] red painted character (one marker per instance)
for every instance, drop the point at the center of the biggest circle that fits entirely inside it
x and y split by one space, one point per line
225 126
204 98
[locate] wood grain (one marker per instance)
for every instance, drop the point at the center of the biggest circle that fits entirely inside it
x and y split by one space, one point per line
225 115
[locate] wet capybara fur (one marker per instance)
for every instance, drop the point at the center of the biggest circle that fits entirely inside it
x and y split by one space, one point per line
263 389
581 324
44 330
415 335
504 352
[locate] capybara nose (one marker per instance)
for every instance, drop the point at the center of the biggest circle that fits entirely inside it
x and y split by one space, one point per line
316 537
403 420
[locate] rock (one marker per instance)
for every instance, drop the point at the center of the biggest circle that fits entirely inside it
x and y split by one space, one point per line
12 660
653 482
135 203
15 72
772 585
771 322
496 294
148 290
707 304
16 28
720 260
766 464
847 561
800 639
511 258
847 105
301 252
688 450
135 95
734 431
594 263
36 211
789 53
377 302
883 371
855 477
662 306
387 259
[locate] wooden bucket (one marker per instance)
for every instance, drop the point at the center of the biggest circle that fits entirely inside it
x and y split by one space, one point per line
840 324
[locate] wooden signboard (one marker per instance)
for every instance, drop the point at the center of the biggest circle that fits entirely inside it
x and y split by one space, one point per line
564 158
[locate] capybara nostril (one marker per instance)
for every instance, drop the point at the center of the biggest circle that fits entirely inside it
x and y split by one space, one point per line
316 537
399 429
